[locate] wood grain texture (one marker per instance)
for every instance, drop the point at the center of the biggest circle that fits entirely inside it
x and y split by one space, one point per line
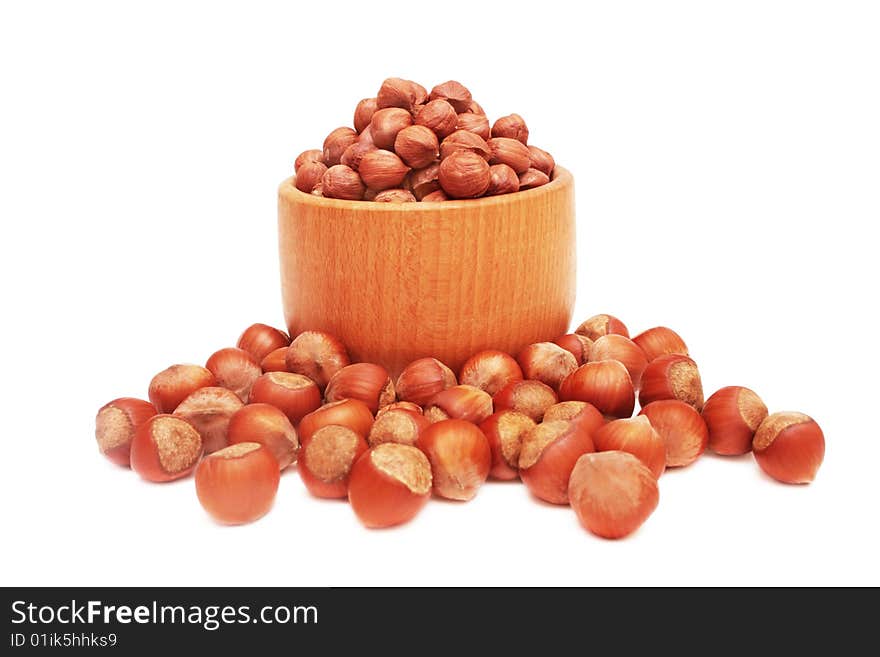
398 282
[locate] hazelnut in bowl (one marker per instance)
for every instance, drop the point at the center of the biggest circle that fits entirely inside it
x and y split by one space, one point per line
413 276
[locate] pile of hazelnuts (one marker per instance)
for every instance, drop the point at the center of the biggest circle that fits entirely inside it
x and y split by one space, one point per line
409 145
558 416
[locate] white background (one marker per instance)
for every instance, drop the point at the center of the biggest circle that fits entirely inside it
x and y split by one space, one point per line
727 168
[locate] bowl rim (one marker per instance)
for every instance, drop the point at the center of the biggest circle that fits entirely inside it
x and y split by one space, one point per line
561 178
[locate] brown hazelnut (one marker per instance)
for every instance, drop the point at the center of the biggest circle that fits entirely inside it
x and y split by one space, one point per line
395 196
417 145
381 169
397 92
424 181
309 176
439 116
336 143
533 178
512 126
385 125
476 123
541 160
343 182
366 136
464 175
435 197
463 140
421 95
355 153
311 155
363 113
455 93
476 108
502 180
504 150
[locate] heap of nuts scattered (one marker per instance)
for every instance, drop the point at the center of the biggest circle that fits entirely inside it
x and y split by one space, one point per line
558 416
410 145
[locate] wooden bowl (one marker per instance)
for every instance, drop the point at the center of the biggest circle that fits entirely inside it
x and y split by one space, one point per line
399 281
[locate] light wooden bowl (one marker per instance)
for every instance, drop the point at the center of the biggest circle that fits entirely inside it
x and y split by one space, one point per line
399 281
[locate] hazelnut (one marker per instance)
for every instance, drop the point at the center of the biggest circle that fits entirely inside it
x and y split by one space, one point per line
461 402
317 355
400 93
363 113
575 411
505 431
343 182
389 485
417 146
547 456
273 362
490 370
502 180
464 175
421 95
546 362
309 176
672 376
529 397
789 447
733 415
385 125
476 108
623 350
532 178
684 432
460 458
612 493
355 153
366 382
174 384
541 160
598 325
439 116
476 123
455 93
422 379
336 143
435 197
259 340
209 410
605 384
660 341
311 155
381 169
395 196
504 150
511 126
367 136
636 436
347 412
578 345
424 181
116 424
397 426
462 140
326 459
